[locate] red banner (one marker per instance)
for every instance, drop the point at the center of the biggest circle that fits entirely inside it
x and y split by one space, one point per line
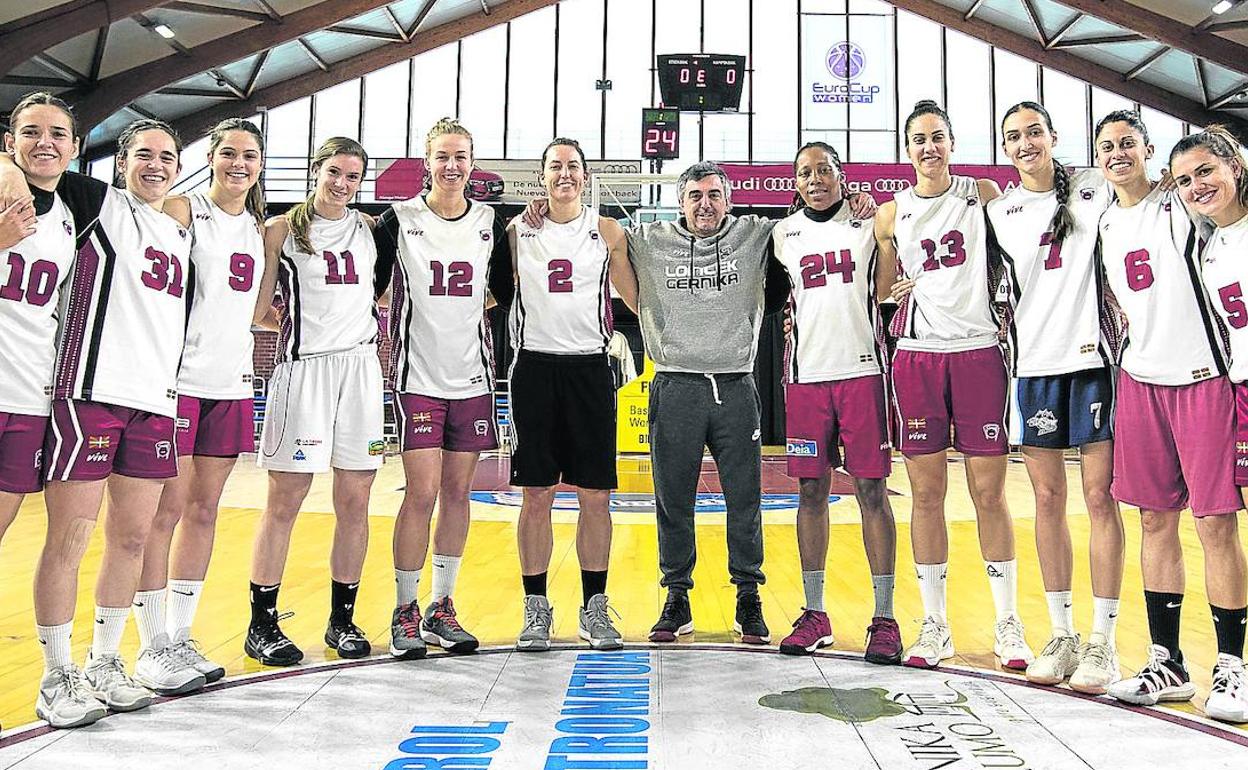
773 184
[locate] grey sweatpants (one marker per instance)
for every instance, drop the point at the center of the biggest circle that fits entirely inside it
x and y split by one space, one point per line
688 412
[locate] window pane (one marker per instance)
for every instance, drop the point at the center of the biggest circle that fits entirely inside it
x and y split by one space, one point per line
530 123
337 112
434 74
285 166
724 138
628 67
1104 102
872 147
386 96
775 76
873 105
1015 82
918 74
827 64
1164 132
481 86
968 104
580 67
1069 98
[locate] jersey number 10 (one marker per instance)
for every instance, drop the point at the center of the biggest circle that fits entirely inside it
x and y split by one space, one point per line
38 289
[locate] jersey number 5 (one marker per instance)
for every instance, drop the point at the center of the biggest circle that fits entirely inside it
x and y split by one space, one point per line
38 289
954 242
817 267
1233 303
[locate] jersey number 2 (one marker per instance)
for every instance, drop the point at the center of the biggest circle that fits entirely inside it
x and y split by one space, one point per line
559 277
39 287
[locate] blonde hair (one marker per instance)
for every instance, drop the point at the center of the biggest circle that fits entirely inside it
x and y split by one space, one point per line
1219 141
255 196
443 127
299 218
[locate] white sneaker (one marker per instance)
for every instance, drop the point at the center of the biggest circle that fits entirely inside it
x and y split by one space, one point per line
1161 680
1228 698
65 700
538 618
1097 670
161 670
1010 645
188 651
933 645
108 681
1057 661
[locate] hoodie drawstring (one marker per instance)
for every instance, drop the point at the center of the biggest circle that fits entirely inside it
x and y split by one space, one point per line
714 387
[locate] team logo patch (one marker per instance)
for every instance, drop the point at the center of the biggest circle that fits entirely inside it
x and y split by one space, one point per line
992 431
298 455
1043 421
855 223
593 235
99 442
163 450
971 201
1087 193
422 417
69 229
182 424
376 448
916 423
801 447
485 235
481 427
38 459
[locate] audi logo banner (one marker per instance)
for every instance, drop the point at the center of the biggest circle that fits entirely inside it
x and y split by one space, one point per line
771 184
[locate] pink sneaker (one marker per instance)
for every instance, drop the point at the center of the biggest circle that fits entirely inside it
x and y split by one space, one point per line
883 642
810 632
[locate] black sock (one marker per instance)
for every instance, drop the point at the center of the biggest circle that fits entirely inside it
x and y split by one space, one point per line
263 604
534 585
746 588
1164 612
1229 626
342 602
592 584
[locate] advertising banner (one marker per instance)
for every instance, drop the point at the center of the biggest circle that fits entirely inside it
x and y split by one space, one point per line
771 184
496 181
847 72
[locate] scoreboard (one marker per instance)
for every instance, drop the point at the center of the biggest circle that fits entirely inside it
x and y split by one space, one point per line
660 133
704 82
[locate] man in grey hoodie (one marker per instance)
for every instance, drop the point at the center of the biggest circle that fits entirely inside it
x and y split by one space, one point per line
701 298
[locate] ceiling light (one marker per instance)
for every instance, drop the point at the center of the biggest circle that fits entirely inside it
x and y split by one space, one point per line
164 31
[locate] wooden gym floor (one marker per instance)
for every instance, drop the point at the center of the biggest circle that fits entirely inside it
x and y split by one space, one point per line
489 594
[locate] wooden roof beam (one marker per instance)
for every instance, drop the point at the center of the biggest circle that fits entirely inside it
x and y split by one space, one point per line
23 38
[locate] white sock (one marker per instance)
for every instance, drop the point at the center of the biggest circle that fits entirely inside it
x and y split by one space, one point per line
932 589
1061 612
1105 618
55 643
110 624
883 586
1003 580
183 599
445 572
406 584
149 616
812 585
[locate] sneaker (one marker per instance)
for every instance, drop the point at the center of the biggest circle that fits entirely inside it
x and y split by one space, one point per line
65 699
109 683
675 620
266 643
347 639
538 618
1228 697
883 642
749 621
1097 670
810 632
1161 680
1010 645
405 638
188 651
934 645
440 627
594 624
1057 661
162 671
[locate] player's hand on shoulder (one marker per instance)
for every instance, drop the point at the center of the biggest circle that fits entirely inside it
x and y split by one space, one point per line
862 205
535 212
17 222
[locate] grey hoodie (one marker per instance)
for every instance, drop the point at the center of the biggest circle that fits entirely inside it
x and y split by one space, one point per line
701 299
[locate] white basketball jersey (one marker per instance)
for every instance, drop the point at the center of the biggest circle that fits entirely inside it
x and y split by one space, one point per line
1226 276
228 254
942 245
124 317
562 304
31 275
831 268
329 294
442 346
1054 288
1150 253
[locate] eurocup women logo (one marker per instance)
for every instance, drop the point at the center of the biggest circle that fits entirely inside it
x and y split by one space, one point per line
846 60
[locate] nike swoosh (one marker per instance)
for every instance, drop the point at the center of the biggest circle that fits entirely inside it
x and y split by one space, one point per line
1068 606
100 621
347 606
138 604
183 593
1174 606
267 589
1111 617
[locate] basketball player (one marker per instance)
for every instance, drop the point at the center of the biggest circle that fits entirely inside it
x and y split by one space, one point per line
1045 231
42 140
325 397
835 392
1209 168
125 313
562 390
215 402
948 371
444 251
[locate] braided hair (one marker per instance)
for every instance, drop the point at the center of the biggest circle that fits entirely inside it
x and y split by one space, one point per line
1219 141
1063 220
798 203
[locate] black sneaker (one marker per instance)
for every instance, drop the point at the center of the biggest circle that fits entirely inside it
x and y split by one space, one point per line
749 623
347 639
675 620
266 643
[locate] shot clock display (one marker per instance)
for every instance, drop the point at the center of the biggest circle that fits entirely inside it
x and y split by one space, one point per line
706 82
660 133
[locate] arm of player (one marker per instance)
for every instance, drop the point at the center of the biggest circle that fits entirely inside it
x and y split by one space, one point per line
500 275
386 239
776 284
13 184
535 212
17 222
988 190
275 231
178 207
886 251
622 276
